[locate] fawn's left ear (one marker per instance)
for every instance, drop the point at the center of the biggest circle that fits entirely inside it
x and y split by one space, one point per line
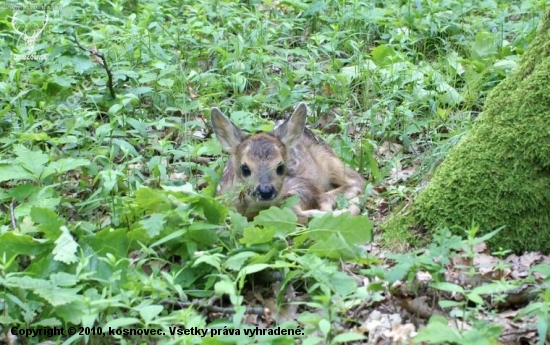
292 129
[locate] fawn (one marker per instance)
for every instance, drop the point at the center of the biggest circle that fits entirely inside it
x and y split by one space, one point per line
266 168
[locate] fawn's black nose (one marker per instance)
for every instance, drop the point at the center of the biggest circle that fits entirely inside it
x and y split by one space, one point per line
266 192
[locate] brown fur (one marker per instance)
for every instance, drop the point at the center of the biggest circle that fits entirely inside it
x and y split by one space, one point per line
311 170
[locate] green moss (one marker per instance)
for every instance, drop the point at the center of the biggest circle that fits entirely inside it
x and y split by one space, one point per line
500 173
398 236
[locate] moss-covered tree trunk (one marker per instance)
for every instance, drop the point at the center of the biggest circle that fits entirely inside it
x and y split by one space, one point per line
500 173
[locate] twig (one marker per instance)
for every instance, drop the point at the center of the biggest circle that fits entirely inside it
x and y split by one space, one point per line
12 214
214 309
103 62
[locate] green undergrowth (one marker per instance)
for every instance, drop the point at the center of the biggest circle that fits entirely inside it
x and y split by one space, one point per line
171 245
108 167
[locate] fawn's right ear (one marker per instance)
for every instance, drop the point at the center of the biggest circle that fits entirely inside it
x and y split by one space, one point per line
229 135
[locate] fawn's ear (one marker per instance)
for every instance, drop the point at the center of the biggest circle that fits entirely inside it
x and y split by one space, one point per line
229 135
292 129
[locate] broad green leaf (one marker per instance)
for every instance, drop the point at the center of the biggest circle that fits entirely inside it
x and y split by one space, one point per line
224 287
324 327
437 332
309 318
210 147
255 235
33 161
253 269
72 312
44 198
43 266
315 8
505 65
186 188
485 45
66 247
152 200
355 230
449 95
63 165
34 137
140 90
109 179
140 126
237 261
12 243
203 233
283 220
493 288
480 337
449 287
149 312
271 253
352 72
101 269
23 191
64 81
542 326
165 82
153 224
63 279
544 269
122 74
453 60
343 284
110 241
6 320
475 298
81 64
213 260
444 304
28 283
114 109
334 246
169 237
532 308
398 272
15 172
238 222
50 322
238 81
49 221
384 55
125 146
212 209
89 317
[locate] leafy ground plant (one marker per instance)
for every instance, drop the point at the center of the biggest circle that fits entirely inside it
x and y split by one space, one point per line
108 224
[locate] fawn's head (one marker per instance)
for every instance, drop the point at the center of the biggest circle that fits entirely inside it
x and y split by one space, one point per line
260 161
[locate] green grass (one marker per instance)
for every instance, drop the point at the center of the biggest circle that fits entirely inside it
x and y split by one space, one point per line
109 200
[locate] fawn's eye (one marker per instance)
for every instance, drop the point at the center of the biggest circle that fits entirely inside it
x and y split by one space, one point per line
245 170
280 169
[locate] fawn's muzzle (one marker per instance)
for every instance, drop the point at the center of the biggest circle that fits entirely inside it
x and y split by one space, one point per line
265 192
